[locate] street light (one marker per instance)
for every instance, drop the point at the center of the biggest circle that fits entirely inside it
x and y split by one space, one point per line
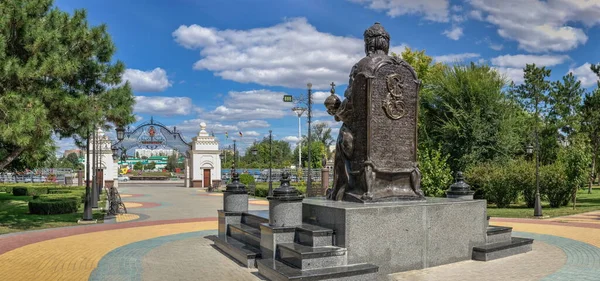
299 111
308 174
537 211
120 133
270 163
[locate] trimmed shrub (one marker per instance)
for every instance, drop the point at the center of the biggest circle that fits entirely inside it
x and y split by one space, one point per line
247 179
53 206
58 191
494 181
19 191
262 191
521 175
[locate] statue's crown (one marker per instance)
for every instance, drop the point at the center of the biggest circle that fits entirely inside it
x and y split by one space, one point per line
376 30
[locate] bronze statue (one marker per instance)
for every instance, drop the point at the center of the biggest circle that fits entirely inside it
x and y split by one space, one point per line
376 149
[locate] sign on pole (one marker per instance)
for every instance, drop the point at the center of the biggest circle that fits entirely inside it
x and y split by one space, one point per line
288 98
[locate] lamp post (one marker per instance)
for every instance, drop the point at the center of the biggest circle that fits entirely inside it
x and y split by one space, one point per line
537 211
308 174
299 111
270 163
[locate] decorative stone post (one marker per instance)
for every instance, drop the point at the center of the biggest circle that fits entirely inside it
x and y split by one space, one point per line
285 206
186 173
235 197
324 179
460 189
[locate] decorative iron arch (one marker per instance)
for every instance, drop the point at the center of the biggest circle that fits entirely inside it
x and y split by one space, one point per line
152 135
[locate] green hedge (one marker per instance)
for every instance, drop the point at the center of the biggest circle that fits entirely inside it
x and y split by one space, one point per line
247 179
19 191
53 206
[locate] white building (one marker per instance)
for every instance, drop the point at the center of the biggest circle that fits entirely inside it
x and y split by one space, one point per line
141 152
204 163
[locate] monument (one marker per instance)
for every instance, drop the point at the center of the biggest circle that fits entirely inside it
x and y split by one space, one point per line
376 150
376 220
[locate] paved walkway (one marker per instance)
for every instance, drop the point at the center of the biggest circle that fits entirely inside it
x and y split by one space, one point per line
163 238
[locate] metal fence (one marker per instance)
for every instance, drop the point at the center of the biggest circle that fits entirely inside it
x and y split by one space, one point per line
262 175
58 176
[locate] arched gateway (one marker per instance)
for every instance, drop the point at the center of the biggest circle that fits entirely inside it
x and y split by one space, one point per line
202 164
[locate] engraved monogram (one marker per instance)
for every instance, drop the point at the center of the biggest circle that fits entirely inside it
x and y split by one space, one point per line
393 106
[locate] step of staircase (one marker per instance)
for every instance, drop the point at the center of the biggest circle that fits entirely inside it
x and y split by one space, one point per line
245 234
306 257
503 249
498 234
255 218
278 271
314 236
244 253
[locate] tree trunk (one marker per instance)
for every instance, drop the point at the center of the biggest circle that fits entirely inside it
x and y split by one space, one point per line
14 154
593 175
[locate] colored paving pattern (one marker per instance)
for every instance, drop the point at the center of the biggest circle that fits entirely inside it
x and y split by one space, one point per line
166 248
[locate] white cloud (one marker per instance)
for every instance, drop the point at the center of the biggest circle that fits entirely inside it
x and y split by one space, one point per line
513 74
138 118
191 127
163 106
476 14
540 26
433 10
520 61
253 124
496 47
147 81
255 104
289 54
250 133
455 33
585 75
291 139
455 57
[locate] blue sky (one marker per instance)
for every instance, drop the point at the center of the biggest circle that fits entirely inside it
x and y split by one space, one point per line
228 63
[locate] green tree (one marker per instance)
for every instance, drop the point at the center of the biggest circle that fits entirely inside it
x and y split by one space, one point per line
171 163
322 133
73 158
318 152
564 100
51 61
471 118
151 165
591 127
436 174
138 166
281 154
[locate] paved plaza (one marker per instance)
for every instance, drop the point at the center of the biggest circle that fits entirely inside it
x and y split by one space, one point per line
164 237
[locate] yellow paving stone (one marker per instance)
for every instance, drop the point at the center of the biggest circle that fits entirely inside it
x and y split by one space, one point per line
126 217
130 205
125 195
587 235
46 260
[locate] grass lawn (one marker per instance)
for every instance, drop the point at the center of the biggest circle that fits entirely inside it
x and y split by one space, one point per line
585 203
15 217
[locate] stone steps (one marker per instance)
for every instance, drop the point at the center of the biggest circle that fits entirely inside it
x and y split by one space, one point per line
245 233
306 257
254 219
242 252
498 234
502 249
314 236
276 270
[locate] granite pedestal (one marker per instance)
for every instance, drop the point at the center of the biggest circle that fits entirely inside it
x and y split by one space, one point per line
235 201
402 236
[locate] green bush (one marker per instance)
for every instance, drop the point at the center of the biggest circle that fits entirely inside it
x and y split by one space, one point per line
19 191
59 191
554 184
261 191
247 179
494 182
521 175
52 206
436 174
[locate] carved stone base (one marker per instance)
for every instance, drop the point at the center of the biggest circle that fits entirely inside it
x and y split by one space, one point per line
385 187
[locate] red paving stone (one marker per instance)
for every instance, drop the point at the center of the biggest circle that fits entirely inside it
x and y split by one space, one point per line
11 242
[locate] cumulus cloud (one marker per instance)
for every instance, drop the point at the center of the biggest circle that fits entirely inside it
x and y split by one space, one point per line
253 124
291 139
147 81
255 104
520 61
250 133
539 26
511 66
433 10
163 106
288 54
585 75
454 33
455 57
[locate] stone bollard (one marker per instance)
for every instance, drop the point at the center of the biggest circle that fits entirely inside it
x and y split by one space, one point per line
460 189
285 206
324 179
235 197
